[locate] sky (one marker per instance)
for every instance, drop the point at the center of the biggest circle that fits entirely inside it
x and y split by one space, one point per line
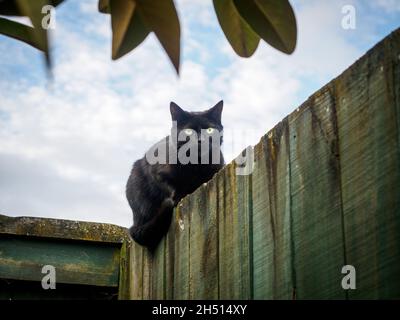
67 146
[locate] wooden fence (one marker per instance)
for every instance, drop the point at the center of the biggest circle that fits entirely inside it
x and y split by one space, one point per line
324 193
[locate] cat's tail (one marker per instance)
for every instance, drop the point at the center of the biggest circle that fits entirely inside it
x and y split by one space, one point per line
151 233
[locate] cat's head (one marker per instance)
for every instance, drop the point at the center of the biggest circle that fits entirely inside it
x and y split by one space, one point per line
203 125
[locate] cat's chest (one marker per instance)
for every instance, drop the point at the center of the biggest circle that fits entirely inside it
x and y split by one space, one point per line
189 179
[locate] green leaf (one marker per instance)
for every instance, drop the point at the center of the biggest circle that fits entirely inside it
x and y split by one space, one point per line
239 34
161 17
127 26
273 20
104 6
33 10
18 31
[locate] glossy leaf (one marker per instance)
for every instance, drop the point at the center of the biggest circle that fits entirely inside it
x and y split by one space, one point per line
273 20
127 26
237 31
161 17
18 31
33 10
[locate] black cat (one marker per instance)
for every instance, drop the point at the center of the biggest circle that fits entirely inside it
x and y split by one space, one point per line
173 168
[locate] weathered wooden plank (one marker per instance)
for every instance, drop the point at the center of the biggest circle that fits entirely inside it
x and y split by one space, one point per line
76 262
126 283
316 198
63 229
244 234
181 249
158 286
234 234
262 235
227 218
147 274
170 259
273 273
392 52
137 266
203 253
370 166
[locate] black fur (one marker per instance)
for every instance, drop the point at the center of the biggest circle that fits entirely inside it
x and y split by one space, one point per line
154 189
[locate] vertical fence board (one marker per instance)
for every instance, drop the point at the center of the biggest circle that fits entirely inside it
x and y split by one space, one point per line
368 136
273 274
181 249
244 235
137 271
158 272
316 198
147 274
170 259
278 166
126 283
203 244
234 235
392 48
228 256
262 235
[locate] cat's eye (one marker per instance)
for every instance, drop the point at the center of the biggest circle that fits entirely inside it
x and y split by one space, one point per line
210 130
188 132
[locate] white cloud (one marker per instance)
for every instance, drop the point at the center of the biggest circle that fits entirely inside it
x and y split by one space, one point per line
66 152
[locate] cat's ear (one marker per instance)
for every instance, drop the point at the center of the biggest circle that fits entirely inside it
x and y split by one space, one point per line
215 112
177 113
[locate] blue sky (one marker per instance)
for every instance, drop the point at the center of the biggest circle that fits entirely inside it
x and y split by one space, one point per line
66 147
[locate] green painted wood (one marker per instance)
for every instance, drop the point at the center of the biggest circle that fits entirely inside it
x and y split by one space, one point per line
170 259
147 274
76 262
325 192
262 237
125 287
158 272
94 258
273 272
137 265
244 236
316 204
392 49
227 220
278 188
203 253
63 229
181 249
234 234
370 162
